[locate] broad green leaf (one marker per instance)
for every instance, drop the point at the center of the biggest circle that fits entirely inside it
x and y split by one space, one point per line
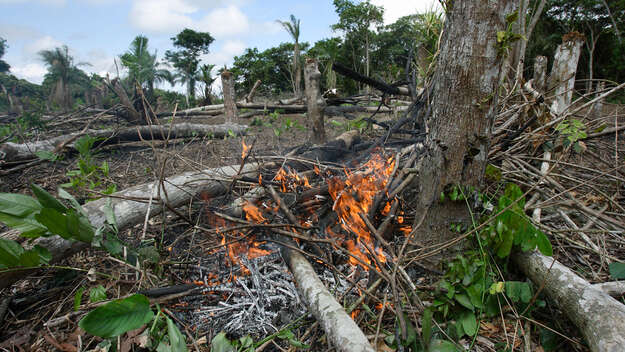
78 298
298 344
118 317
526 292
46 199
29 258
513 290
543 244
10 252
220 343
97 294
46 155
44 254
617 270
464 301
28 226
18 204
176 339
469 323
54 221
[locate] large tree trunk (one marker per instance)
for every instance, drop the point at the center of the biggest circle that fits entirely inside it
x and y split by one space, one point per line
464 99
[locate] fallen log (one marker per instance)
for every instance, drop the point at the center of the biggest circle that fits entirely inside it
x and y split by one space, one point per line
16 152
600 318
342 331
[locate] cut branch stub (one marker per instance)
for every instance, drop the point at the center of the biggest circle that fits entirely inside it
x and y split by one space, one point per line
563 70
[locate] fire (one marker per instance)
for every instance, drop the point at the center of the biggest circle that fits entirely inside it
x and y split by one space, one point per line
245 149
353 199
290 180
252 213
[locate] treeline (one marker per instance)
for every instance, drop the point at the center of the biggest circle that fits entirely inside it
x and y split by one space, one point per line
399 53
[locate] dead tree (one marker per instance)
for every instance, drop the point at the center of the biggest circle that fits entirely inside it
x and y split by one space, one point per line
230 107
540 74
312 76
563 71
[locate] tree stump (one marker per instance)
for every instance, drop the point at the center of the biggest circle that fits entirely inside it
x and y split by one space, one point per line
563 71
312 78
230 105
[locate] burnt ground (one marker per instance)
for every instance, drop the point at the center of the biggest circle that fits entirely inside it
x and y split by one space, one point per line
173 251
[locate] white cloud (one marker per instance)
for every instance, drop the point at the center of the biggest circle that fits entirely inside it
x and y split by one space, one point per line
394 9
224 22
161 16
43 43
171 16
32 72
225 54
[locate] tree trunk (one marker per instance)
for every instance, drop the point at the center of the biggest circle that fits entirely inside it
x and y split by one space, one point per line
250 96
131 115
230 107
297 72
464 100
312 78
563 70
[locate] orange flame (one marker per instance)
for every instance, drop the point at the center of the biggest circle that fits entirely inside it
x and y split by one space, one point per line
245 149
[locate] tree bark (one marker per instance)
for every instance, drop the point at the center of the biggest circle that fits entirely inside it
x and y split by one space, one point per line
230 107
382 86
131 115
600 318
312 78
464 100
15 152
563 71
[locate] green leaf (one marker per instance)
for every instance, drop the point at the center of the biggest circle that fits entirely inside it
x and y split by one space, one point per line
526 292
442 346
513 290
18 204
512 17
469 323
46 155
28 226
10 252
220 343
617 270
543 244
44 254
97 294
54 221
464 301
29 258
78 298
118 317
46 199
175 337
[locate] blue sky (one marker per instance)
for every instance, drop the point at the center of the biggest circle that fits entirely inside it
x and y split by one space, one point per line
97 31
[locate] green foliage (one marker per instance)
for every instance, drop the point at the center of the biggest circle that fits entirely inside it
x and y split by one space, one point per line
4 67
573 131
89 173
186 60
357 124
97 294
118 317
507 37
143 67
470 286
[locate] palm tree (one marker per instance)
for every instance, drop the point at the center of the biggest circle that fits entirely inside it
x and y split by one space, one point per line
292 28
205 76
143 67
62 68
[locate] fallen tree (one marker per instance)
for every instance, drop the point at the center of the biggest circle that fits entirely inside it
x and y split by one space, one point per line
15 152
600 317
